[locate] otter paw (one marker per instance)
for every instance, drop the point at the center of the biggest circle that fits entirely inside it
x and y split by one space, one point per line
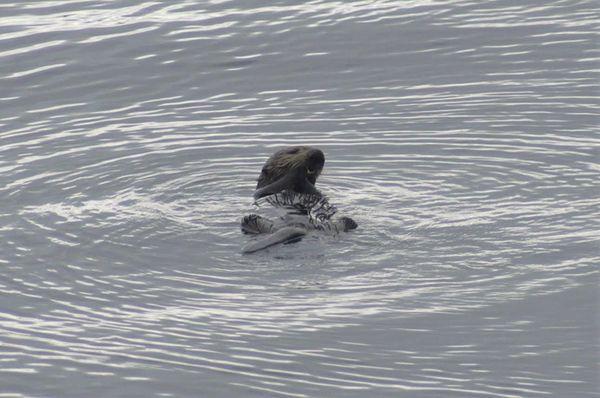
255 224
250 224
349 224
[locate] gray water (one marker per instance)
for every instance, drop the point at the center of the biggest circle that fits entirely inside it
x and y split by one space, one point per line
462 136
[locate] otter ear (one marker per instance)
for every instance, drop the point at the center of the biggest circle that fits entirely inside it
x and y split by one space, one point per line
275 187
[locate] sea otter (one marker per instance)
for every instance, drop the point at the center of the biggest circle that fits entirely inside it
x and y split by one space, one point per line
287 180
295 168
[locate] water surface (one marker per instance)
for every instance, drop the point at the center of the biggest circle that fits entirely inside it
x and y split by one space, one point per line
462 136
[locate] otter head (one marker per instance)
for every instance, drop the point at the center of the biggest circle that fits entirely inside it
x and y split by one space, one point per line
313 165
294 168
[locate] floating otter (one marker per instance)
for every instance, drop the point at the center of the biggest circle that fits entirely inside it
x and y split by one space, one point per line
295 168
288 180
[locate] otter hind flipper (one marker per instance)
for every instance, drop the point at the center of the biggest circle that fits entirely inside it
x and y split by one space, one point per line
284 235
348 224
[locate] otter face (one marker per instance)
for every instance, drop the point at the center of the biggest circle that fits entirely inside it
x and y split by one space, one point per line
315 160
294 168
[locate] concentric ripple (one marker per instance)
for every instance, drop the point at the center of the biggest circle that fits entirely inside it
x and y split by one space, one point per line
462 136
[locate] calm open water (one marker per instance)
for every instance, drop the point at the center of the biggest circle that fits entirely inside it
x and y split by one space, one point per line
462 136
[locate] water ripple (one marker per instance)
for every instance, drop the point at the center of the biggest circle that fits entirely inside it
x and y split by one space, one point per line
461 136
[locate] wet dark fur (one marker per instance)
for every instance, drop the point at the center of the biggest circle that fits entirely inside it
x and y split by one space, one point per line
294 168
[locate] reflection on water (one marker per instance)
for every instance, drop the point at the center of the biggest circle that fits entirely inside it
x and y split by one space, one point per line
462 137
